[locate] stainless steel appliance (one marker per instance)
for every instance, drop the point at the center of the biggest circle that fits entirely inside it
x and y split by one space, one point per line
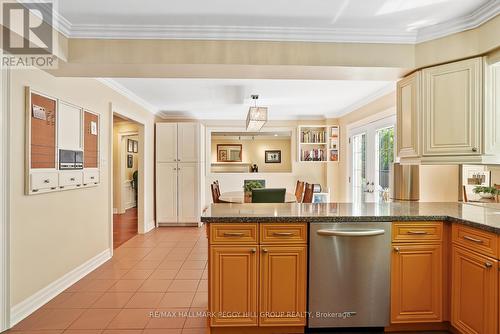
349 274
69 159
405 182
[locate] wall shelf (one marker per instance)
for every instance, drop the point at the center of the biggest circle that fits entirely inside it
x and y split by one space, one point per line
318 143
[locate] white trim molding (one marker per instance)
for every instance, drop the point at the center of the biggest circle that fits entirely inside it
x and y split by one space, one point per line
389 88
5 199
473 20
271 33
34 302
128 94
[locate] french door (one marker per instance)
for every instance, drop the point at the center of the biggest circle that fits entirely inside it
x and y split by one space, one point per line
371 149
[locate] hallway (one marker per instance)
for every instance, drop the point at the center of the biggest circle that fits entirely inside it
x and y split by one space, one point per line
124 226
155 283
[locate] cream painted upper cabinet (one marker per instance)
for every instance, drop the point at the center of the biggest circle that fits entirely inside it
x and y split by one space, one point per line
452 108
408 115
187 142
69 127
166 142
492 110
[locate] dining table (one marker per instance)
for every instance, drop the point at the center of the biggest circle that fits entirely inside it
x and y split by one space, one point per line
239 197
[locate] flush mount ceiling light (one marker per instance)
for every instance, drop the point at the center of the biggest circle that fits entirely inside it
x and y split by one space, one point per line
257 116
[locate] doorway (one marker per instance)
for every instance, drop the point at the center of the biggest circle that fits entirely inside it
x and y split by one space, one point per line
126 161
372 155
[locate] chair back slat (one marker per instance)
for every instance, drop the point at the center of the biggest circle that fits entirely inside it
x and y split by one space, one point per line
299 191
308 193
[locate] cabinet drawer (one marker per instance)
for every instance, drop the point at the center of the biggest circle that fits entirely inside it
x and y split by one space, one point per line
276 233
474 239
90 176
45 180
70 178
417 232
233 233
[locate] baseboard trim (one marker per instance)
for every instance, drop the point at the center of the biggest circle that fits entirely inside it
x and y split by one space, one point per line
38 299
150 226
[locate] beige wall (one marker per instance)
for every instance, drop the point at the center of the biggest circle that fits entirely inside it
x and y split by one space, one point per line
254 153
338 173
246 59
439 183
53 233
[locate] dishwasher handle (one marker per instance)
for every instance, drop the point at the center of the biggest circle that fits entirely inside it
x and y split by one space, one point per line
350 233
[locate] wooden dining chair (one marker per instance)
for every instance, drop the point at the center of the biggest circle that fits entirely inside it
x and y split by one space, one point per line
268 195
308 193
299 190
216 182
465 194
216 193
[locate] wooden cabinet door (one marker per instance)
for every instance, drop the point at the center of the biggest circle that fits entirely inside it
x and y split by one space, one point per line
166 142
416 284
283 284
166 192
233 274
408 115
452 104
188 142
188 193
474 298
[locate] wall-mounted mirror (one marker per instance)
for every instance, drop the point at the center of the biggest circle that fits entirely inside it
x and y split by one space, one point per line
229 152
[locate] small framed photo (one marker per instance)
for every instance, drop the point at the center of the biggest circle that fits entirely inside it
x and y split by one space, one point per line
130 146
222 155
130 161
273 157
136 146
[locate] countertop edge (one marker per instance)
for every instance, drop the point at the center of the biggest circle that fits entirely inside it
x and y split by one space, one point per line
344 219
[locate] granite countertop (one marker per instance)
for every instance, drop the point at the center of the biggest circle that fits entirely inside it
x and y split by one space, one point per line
483 216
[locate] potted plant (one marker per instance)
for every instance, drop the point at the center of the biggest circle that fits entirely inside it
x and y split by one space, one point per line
486 192
249 186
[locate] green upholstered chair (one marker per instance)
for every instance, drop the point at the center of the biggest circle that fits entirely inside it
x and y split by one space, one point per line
268 195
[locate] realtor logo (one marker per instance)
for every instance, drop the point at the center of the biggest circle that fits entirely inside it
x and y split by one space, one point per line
28 37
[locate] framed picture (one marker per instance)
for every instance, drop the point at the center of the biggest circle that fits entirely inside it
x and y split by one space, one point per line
130 146
136 146
130 161
229 152
273 157
222 155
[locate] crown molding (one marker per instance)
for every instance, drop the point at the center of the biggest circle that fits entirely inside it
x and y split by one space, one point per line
364 101
473 20
300 34
128 94
199 32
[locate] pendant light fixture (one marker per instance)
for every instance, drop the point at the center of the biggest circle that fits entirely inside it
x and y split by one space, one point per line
257 116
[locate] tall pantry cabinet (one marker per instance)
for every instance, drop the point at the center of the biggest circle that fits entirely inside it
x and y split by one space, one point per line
179 162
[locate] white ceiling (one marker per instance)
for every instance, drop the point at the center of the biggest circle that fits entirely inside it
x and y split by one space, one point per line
229 99
405 21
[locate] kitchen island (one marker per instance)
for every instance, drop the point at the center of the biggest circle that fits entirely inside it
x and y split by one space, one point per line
260 262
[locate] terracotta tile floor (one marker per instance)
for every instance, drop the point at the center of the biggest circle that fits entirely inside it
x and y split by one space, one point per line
163 271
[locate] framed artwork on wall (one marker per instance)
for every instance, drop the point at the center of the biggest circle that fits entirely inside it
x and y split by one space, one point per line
273 157
135 146
130 161
130 146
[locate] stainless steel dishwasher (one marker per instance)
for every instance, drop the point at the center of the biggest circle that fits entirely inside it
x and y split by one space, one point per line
349 274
